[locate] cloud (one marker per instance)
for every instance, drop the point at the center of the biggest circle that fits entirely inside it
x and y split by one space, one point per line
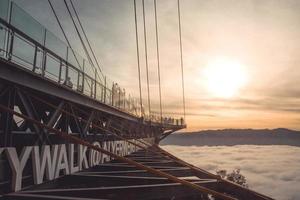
265 167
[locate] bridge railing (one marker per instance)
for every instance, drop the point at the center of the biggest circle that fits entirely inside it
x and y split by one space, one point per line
24 41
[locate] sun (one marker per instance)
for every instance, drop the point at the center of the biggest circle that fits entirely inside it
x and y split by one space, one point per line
224 77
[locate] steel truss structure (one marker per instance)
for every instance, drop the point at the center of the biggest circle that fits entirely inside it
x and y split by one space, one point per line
62 109
118 180
62 115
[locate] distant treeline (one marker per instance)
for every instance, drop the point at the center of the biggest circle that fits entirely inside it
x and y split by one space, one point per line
230 137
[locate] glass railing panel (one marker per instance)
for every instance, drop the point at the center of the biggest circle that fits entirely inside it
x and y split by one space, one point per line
56 45
99 77
3 33
93 88
39 61
80 60
122 99
71 58
52 68
122 104
168 120
87 86
80 82
63 73
99 92
137 106
75 59
118 97
23 52
4 5
114 96
126 105
130 105
89 69
108 97
27 24
72 78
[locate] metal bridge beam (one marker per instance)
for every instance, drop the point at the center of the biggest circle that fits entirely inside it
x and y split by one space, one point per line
87 124
7 120
14 74
28 108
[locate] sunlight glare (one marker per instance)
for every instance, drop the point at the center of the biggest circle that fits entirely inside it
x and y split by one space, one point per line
224 77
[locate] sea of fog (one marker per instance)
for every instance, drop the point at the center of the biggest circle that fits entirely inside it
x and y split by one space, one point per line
273 170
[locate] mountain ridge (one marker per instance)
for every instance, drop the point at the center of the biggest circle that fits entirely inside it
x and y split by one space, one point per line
275 130
230 137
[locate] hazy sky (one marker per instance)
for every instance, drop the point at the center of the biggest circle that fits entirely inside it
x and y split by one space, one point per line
261 35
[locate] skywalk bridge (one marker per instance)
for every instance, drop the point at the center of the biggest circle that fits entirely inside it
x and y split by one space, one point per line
66 132
46 80
40 75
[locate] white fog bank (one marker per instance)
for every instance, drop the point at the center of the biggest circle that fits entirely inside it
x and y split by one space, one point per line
272 170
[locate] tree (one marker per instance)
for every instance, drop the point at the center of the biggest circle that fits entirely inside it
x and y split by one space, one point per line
235 176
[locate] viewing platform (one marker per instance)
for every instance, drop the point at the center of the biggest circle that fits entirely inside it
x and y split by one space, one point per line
34 57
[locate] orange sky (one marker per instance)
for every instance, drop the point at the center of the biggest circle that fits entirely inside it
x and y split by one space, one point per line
262 36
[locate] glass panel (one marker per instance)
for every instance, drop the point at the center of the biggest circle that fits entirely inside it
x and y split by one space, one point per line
87 86
4 5
75 60
63 73
80 60
89 70
71 58
108 97
2 39
72 78
99 92
52 68
122 99
39 61
93 88
134 106
4 9
99 77
56 45
27 24
23 52
80 82
116 95
109 83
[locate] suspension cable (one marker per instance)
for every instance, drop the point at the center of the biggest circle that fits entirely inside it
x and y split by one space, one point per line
181 57
87 39
138 55
62 29
158 61
146 56
79 35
